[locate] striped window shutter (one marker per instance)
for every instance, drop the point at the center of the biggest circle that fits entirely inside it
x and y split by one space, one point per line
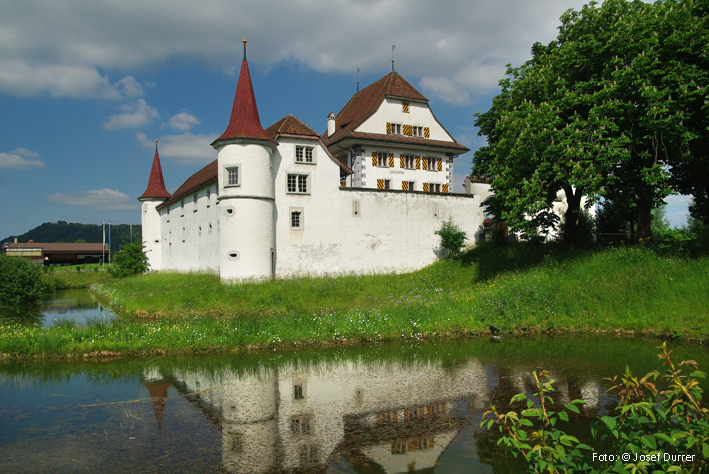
391 160
425 163
425 187
405 185
426 132
374 158
402 161
418 162
380 184
405 107
388 128
440 164
407 130
445 188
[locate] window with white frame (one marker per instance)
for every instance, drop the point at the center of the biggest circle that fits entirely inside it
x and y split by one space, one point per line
304 154
232 176
409 161
432 163
387 184
298 183
434 187
383 160
417 131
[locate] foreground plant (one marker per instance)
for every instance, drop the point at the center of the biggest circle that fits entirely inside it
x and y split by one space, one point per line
652 431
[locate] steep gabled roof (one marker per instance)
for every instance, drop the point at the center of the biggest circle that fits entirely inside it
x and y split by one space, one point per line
200 179
156 184
293 127
244 122
290 125
365 102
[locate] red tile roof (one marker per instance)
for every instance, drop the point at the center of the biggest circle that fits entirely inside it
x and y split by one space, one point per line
197 181
365 102
290 125
244 121
156 184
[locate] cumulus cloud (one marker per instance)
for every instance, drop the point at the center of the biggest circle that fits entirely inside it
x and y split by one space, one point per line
100 199
187 148
18 159
183 121
454 50
135 115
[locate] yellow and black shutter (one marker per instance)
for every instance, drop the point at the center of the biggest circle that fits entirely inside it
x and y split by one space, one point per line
418 162
426 132
391 160
374 158
380 184
388 128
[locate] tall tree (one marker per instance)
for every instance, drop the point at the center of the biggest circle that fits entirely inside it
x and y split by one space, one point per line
604 110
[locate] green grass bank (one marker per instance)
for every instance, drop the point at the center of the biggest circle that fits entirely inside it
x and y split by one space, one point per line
517 288
73 276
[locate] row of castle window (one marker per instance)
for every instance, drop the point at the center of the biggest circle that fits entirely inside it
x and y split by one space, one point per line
411 186
407 130
386 160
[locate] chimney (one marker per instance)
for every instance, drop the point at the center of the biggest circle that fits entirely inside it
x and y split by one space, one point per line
331 124
30 241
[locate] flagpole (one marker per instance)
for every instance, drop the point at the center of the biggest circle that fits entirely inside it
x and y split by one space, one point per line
109 245
103 244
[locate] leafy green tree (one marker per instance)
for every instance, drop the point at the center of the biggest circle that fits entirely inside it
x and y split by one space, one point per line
596 114
19 281
452 237
131 261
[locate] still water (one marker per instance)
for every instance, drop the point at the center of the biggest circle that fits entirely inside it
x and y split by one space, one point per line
385 408
63 305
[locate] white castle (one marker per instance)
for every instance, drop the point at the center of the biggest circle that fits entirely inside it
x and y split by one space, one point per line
367 196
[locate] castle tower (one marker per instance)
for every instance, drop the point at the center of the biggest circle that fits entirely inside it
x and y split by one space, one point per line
153 196
247 234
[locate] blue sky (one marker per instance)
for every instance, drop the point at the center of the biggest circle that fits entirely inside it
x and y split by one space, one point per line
87 86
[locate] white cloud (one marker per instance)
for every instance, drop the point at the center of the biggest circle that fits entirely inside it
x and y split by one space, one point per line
26 153
130 88
187 148
136 115
455 50
183 121
17 159
100 199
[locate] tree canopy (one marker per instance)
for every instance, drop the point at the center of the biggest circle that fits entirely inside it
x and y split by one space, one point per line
615 107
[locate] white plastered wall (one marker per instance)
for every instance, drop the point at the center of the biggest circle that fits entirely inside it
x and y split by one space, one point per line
151 232
391 110
190 234
358 230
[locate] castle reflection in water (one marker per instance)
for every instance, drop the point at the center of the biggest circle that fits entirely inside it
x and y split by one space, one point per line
402 418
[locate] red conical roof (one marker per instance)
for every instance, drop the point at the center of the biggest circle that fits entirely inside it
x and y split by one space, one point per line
244 121
156 184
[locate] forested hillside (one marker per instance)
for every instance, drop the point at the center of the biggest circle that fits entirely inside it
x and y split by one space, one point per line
62 231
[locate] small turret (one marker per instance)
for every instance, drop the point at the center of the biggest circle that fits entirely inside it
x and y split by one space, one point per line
154 195
247 238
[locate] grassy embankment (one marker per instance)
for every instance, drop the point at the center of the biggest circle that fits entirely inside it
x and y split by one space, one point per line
67 277
517 288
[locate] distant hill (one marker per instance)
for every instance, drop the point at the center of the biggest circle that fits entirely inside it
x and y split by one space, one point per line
62 231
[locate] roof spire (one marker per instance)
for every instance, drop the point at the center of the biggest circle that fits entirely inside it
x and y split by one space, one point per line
357 79
393 46
244 122
156 184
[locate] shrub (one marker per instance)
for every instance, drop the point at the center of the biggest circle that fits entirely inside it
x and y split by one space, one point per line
19 281
131 261
452 237
646 422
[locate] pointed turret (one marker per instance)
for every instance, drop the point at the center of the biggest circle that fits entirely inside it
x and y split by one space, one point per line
244 124
156 184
